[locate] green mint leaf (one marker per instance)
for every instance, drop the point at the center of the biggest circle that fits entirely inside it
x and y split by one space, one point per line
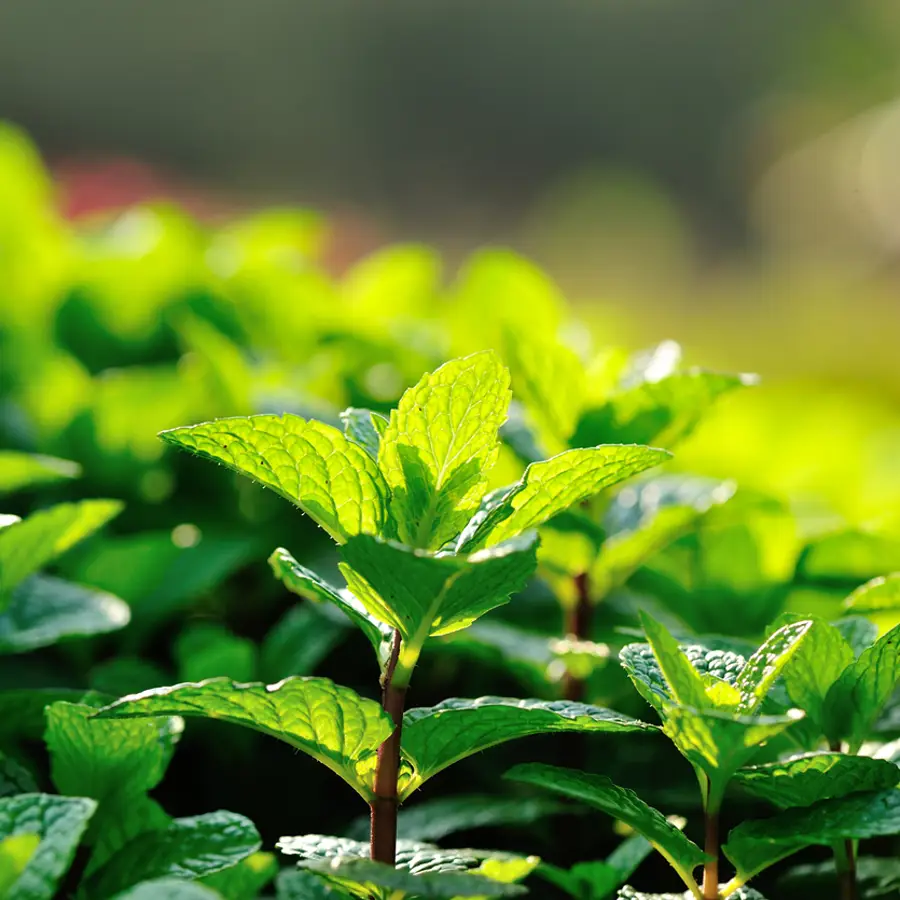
753 846
332 479
661 412
329 855
876 596
15 854
440 444
719 742
44 610
645 518
168 888
712 664
620 803
299 641
856 699
59 822
626 858
331 723
550 487
685 686
811 777
30 544
306 583
188 848
815 666
767 663
365 878
103 759
854 556
365 428
245 880
437 736
548 378
26 470
114 763
422 594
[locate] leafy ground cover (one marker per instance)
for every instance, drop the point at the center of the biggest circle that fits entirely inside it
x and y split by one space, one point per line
393 529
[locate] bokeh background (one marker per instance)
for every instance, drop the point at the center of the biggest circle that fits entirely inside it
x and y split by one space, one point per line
189 197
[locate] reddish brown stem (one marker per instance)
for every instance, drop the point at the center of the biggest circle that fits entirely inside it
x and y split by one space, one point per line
711 848
579 620
845 857
383 808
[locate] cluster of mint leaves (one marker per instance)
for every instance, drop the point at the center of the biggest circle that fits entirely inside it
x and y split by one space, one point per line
426 552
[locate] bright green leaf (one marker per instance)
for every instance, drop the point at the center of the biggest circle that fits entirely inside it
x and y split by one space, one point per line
44 610
365 428
59 822
685 686
811 777
437 736
25 470
817 663
305 583
331 723
332 479
245 880
719 742
548 378
858 696
15 853
620 803
439 446
29 545
423 594
656 412
878 595
188 848
766 664
753 846
552 486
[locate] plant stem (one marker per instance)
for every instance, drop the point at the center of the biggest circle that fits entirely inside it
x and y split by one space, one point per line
384 805
578 625
711 848
845 857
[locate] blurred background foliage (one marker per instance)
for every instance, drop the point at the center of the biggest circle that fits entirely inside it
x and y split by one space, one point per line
207 211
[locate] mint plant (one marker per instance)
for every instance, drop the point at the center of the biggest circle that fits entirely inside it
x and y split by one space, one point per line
710 703
648 398
426 551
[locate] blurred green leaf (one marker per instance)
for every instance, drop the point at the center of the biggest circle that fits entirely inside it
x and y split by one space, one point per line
245 880
207 650
25 470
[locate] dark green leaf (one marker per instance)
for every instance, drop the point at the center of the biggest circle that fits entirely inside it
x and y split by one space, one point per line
188 848
245 880
620 803
298 642
807 779
438 736
365 428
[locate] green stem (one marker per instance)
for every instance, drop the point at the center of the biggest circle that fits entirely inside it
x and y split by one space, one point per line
385 803
579 620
